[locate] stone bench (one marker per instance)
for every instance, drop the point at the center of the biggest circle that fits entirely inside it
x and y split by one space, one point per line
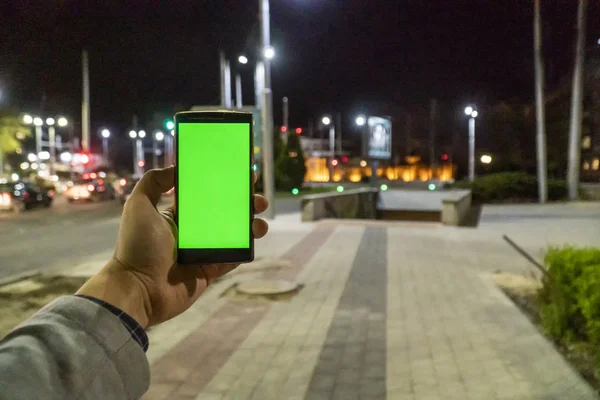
354 204
456 207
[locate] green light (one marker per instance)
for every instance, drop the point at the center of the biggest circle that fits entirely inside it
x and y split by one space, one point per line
431 186
384 187
169 124
340 189
295 191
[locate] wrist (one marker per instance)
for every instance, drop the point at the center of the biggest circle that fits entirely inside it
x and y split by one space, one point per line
120 288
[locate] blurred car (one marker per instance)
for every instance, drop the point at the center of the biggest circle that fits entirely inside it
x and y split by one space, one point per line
90 190
21 196
125 186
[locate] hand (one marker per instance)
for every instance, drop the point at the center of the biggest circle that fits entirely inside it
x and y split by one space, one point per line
143 278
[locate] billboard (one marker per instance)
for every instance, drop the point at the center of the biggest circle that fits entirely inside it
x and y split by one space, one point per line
378 138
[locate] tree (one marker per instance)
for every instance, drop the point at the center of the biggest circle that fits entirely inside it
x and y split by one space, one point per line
576 106
290 165
11 130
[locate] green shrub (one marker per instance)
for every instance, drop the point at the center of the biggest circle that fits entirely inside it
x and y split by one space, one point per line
570 297
510 187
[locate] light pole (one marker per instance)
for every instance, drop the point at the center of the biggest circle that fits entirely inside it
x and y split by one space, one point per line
327 122
158 137
105 134
472 113
38 124
170 125
361 121
138 152
267 109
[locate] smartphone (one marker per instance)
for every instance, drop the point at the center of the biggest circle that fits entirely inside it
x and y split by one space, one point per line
214 187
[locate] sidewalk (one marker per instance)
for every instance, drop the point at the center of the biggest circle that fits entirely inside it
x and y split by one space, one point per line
388 310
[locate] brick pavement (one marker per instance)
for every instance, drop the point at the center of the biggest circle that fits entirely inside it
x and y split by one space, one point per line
397 311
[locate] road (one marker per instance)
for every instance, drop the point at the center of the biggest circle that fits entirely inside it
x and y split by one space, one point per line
66 234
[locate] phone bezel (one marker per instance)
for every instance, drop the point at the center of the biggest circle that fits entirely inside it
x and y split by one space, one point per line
225 255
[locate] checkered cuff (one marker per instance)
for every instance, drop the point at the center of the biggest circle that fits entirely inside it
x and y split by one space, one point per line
135 330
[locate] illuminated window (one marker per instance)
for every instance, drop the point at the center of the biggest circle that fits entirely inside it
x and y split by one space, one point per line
596 164
586 143
586 165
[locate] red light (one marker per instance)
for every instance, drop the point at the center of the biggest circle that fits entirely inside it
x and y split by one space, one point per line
344 159
122 182
93 175
298 131
334 162
141 164
90 188
284 129
25 195
101 188
86 176
85 159
100 181
444 157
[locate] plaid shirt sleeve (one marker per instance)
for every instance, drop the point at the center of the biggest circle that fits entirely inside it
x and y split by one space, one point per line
135 330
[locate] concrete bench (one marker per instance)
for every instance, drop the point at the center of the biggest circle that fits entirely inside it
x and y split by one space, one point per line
456 207
354 203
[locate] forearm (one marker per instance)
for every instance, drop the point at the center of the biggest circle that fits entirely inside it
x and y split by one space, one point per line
122 289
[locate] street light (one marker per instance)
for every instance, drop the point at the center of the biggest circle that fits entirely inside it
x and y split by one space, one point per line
243 59
138 151
62 122
132 134
486 159
361 120
142 134
159 136
50 121
105 134
37 121
326 120
27 119
269 52
472 113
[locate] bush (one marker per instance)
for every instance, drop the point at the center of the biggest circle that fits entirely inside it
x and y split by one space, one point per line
510 187
570 297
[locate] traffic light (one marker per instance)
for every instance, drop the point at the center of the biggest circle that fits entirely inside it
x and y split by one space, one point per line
444 157
344 159
169 124
298 131
284 129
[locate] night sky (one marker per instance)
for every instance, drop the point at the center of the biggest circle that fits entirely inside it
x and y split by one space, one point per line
369 56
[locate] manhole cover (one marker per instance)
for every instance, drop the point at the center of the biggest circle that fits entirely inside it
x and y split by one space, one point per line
266 287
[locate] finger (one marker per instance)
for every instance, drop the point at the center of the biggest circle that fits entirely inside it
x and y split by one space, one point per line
154 183
215 271
260 204
260 227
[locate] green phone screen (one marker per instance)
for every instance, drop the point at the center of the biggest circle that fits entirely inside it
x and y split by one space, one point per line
213 188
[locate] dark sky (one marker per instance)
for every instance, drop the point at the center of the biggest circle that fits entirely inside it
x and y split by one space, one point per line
332 55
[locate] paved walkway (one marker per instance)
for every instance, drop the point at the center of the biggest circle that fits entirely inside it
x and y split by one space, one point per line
388 310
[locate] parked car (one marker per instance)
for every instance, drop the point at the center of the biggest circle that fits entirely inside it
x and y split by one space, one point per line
125 186
90 190
21 196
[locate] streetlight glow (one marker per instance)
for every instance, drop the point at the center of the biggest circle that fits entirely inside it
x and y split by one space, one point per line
243 59
37 121
469 110
474 114
326 120
361 120
486 159
31 157
172 132
132 134
142 134
170 125
363 163
159 136
50 121
269 52
27 119
105 133
62 121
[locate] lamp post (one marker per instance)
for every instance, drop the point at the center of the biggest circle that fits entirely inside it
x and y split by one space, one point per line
38 123
158 137
105 134
267 109
138 151
326 120
472 113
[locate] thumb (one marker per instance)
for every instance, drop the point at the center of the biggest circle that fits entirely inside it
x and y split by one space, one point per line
154 183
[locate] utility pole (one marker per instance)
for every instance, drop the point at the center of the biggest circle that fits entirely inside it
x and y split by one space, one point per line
576 106
228 104
338 128
286 118
222 76
408 134
539 103
85 104
432 118
267 113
